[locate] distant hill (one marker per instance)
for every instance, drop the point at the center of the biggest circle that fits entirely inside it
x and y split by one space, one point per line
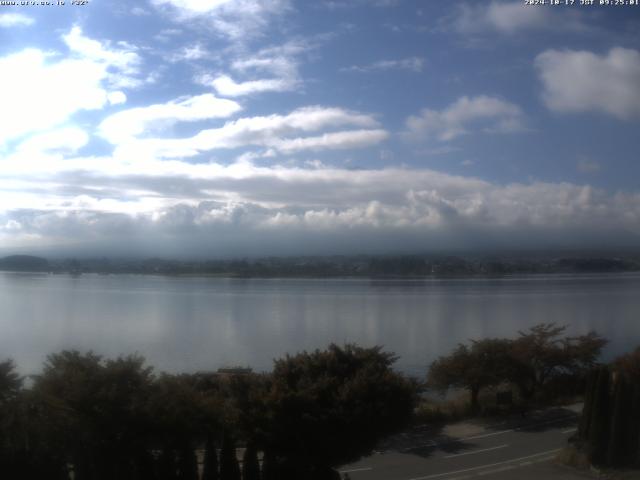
24 263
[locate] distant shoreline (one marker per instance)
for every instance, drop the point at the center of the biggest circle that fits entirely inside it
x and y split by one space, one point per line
224 276
389 267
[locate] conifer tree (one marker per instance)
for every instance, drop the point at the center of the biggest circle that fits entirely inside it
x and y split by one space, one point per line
599 423
250 464
229 468
269 466
187 464
210 467
616 444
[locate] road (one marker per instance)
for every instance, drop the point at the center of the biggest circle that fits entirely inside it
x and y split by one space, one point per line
516 448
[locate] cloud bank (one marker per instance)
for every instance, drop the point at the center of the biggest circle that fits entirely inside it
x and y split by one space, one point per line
246 209
580 81
481 113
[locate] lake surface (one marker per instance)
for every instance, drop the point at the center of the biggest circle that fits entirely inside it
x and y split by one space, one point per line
189 324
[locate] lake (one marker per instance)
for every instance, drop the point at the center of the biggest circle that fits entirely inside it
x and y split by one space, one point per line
189 324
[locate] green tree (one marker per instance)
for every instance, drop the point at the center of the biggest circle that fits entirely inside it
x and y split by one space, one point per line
187 464
98 412
10 381
210 466
229 468
269 466
600 420
250 464
330 407
542 352
482 364
629 364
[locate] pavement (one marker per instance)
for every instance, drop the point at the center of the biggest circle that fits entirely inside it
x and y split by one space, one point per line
511 448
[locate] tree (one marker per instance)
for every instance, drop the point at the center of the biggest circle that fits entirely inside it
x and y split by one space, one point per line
96 411
541 353
210 466
250 464
629 364
187 464
229 468
599 423
269 466
179 416
482 364
10 381
330 407
609 430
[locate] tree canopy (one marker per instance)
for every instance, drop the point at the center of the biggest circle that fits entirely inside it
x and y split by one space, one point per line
481 364
528 361
330 407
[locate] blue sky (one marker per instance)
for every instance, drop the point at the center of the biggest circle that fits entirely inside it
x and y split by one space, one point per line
246 127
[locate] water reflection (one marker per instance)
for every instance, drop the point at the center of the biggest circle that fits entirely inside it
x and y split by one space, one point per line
187 324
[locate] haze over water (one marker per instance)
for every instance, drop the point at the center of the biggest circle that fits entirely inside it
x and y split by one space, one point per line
189 324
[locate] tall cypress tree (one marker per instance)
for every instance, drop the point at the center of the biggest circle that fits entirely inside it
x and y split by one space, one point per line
585 419
187 464
210 467
167 469
269 466
229 468
616 444
250 464
634 424
599 424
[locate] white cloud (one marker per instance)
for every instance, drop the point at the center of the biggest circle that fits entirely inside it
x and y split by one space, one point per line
15 20
199 205
116 98
67 140
192 52
71 85
481 113
278 64
580 81
412 64
122 64
278 132
86 80
512 17
332 141
228 87
235 19
134 122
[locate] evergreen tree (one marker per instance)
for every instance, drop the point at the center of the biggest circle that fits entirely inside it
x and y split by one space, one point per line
634 425
585 419
599 424
616 444
167 465
250 464
269 466
210 468
229 468
187 464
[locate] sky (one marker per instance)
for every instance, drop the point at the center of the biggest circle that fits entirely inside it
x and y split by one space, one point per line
213 128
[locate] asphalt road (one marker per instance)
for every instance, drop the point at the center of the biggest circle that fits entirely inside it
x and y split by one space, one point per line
517 448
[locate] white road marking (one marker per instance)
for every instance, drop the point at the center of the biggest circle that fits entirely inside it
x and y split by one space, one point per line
485 435
477 451
570 430
431 443
513 460
363 469
502 432
498 470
